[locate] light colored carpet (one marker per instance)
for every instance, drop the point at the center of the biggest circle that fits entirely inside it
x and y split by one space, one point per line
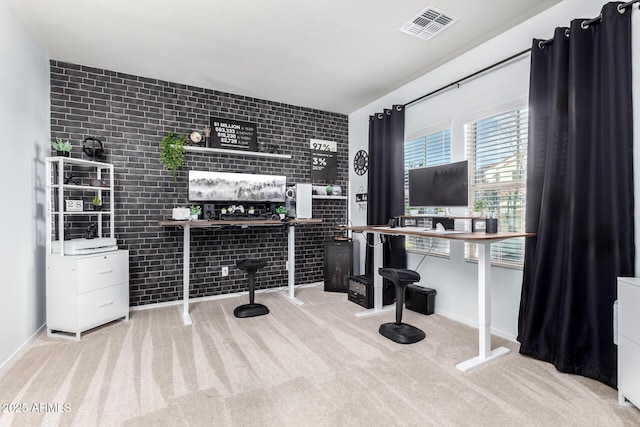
310 365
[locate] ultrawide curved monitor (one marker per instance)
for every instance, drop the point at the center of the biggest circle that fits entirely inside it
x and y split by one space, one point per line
236 187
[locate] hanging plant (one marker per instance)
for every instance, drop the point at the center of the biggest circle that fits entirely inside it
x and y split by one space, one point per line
172 155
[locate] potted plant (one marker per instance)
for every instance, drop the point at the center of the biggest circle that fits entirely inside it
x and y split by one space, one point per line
97 204
194 212
281 211
172 154
63 148
251 210
479 205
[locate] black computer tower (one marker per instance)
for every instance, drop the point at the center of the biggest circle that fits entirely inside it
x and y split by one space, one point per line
338 265
361 291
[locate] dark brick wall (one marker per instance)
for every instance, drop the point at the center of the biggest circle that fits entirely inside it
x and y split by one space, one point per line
131 114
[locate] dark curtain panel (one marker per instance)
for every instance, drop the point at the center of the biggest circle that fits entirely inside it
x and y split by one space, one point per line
579 195
385 197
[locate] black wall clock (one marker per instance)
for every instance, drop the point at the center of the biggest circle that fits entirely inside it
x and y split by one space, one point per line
361 162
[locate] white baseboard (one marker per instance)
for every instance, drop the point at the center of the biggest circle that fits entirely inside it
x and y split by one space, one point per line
21 349
497 332
216 297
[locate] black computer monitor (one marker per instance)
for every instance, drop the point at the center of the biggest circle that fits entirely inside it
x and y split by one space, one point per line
236 187
439 186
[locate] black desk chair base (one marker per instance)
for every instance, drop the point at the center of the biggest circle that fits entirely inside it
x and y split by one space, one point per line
250 310
401 333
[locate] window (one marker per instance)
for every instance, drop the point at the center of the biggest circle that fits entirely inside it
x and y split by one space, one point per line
497 153
430 150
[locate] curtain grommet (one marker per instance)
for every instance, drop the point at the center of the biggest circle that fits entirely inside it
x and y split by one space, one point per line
621 10
583 26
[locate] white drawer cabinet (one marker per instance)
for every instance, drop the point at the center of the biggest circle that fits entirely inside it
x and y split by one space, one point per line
86 291
629 340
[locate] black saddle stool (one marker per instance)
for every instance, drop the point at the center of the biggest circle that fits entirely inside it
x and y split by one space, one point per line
397 331
252 309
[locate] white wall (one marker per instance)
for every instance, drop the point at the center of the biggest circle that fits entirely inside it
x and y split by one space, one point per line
24 141
454 278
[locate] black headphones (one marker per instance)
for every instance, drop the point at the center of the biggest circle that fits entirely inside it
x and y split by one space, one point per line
92 147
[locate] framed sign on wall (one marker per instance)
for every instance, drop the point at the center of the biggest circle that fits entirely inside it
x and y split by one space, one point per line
322 159
233 134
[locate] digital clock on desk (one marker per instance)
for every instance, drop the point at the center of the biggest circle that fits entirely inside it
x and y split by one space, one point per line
478 224
408 221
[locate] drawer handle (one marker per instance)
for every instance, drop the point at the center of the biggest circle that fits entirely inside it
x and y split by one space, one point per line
105 304
105 271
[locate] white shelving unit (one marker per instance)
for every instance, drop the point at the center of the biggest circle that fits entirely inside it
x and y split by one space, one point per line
87 279
58 192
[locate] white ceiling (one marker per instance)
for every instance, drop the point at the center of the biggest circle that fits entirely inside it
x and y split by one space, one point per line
333 55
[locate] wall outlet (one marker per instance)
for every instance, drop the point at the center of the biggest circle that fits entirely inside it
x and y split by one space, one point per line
225 271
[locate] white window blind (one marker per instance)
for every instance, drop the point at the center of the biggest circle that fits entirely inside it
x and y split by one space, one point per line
430 150
497 153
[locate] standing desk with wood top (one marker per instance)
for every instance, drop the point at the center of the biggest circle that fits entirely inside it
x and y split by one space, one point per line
484 241
186 226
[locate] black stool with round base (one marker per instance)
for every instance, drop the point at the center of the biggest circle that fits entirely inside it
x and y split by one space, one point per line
252 309
397 331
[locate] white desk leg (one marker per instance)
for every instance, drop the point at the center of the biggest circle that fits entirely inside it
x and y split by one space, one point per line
377 281
185 274
291 268
377 278
484 312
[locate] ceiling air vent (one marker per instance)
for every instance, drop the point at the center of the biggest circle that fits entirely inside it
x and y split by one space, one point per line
428 23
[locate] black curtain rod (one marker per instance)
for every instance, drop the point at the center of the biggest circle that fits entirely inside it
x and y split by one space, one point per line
457 82
512 57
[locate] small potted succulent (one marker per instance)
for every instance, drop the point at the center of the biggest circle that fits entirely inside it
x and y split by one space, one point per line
281 211
194 212
479 205
97 204
63 148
